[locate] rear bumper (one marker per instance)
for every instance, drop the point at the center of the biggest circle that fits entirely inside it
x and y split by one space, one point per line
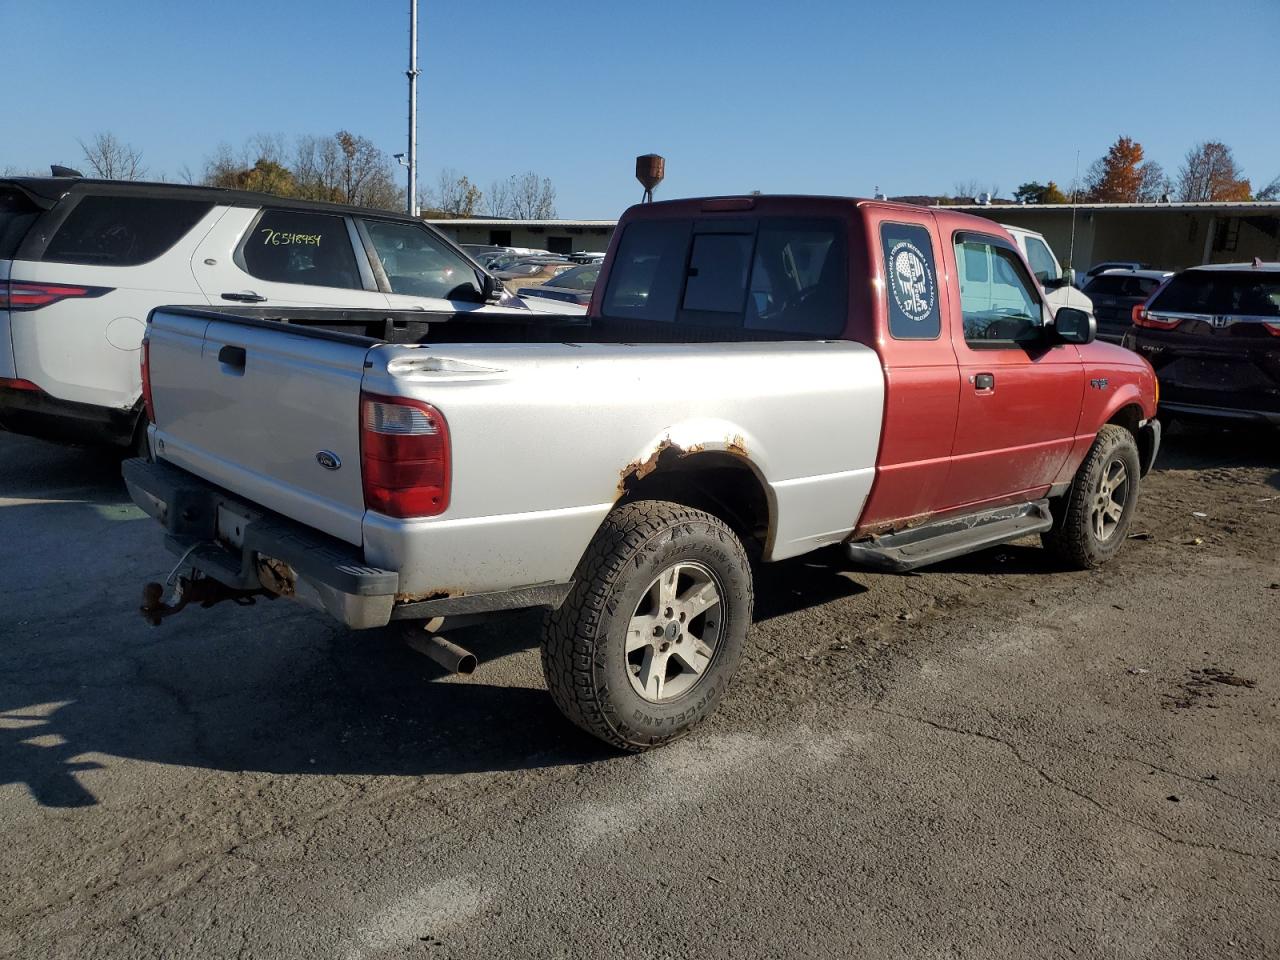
36 414
246 547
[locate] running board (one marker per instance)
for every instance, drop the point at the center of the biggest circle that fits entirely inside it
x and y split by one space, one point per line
952 537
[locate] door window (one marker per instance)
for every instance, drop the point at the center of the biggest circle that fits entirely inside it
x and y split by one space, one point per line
910 282
419 264
997 298
292 246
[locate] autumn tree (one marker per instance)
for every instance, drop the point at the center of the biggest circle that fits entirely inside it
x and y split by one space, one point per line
111 159
1035 192
1209 172
1123 176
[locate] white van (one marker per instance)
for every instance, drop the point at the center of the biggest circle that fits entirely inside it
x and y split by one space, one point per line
1059 289
83 263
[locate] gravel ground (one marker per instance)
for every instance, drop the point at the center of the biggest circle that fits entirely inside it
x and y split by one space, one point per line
993 758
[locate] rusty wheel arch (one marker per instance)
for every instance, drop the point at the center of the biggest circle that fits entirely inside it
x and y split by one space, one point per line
723 483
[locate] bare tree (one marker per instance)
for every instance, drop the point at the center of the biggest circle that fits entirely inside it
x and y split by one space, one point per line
1152 182
532 197
111 159
455 195
498 199
347 169
1271 191
1209 172
966 189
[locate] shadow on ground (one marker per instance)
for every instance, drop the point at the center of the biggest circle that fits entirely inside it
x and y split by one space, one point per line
278 689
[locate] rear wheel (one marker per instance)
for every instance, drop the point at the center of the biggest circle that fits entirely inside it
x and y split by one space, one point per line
644 647
1092 519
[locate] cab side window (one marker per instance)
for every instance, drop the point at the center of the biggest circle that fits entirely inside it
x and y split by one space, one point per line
997 299
290 246
910 282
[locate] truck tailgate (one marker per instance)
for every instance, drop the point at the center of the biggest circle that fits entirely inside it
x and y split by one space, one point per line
228 394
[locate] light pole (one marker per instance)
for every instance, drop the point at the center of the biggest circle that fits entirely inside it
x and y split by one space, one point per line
411 202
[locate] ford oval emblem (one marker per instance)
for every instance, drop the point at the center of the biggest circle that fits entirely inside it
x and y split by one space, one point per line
328 459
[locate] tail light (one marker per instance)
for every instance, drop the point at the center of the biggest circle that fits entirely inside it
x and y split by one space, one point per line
8 383
1273 329
145 360
1143 319
20 295
404 456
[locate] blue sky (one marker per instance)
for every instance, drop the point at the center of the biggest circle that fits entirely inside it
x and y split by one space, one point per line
806 96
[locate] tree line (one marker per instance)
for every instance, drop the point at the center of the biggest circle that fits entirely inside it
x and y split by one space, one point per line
342 168
1124 174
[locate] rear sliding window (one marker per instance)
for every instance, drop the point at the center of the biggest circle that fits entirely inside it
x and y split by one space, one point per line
776 274
122 231
1244 293
17 214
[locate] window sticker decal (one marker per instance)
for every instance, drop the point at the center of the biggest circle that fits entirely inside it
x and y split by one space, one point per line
910 281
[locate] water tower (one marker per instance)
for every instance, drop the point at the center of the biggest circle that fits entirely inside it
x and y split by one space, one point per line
649 171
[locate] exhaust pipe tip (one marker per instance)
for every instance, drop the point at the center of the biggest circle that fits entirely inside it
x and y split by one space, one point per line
449 655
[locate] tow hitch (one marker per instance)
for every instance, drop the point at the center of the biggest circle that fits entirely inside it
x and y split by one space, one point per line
202 590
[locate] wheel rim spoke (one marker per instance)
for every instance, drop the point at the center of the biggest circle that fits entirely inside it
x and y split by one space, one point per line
699 599
672 636
653 672
640 632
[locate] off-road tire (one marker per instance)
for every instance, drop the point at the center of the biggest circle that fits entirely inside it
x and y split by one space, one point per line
1073 537
584 642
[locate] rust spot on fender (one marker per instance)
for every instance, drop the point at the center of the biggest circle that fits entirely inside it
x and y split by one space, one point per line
667 449
639 469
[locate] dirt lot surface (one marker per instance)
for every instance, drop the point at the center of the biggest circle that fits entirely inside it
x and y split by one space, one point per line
995 758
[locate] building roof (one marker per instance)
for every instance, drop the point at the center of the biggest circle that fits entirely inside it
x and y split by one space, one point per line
497 222
1207 206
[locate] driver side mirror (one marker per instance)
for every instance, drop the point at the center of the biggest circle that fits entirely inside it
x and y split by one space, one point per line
1068 279
1075 326
492 289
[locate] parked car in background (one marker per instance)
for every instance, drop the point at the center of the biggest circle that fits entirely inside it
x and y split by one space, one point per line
572 286
83 262
760 377
586 256
1212 333
1098 268
1116 292
1059 284
533 270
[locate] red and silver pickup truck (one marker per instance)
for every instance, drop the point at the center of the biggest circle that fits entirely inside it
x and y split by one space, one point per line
756 378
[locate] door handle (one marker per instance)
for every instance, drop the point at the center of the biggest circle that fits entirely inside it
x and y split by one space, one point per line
232 356
983 381
245 296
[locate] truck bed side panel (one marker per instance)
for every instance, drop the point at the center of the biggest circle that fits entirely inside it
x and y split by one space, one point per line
546 435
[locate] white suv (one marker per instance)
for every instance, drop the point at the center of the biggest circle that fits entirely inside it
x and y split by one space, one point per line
83 263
